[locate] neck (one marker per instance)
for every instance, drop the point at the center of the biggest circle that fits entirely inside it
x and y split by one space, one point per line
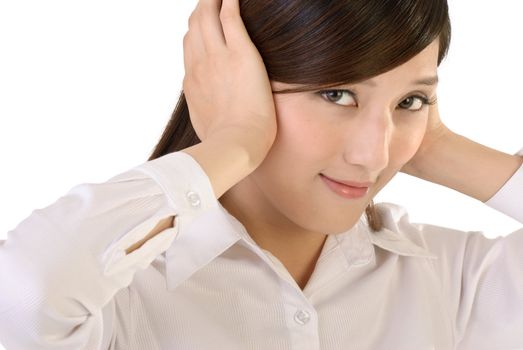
296 248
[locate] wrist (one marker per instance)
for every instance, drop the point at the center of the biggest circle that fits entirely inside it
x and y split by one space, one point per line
249 141
424 163
225 161
466 166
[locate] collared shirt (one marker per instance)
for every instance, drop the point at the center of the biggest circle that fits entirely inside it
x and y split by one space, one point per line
66 282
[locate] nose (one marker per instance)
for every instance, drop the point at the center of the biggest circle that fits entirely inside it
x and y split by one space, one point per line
368 139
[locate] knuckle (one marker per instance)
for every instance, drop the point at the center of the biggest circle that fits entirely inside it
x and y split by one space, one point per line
192 20
186 40
226 16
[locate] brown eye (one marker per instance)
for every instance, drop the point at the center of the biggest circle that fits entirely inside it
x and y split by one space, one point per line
413 103
340 97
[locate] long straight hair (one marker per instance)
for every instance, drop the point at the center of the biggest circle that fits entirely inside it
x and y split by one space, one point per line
322 43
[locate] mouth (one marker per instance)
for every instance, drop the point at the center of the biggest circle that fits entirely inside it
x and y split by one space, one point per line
347 189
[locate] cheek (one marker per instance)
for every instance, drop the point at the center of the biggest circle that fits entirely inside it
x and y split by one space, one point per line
301 132
295 157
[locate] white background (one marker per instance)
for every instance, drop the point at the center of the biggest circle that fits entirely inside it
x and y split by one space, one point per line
86 89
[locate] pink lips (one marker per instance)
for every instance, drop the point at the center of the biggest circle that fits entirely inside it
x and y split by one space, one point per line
347 189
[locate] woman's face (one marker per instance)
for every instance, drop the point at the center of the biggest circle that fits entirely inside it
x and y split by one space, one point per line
364 137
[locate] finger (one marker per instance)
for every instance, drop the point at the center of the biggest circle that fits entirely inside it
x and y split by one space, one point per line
233 27
187 52
196 38
210 25
193 47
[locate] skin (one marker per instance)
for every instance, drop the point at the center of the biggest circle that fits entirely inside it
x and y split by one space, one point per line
285 205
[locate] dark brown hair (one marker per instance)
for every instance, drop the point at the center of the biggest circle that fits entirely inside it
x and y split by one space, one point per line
323 43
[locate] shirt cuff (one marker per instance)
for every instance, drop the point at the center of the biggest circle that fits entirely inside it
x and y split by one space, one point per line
203 228
509 198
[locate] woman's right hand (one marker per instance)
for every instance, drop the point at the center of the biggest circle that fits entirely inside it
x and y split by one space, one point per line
226 83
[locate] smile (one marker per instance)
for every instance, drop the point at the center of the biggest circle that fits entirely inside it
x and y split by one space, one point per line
345 191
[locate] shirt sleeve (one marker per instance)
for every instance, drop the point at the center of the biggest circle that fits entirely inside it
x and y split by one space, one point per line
487 278
509 198
62 265
483 278
481 283
489 286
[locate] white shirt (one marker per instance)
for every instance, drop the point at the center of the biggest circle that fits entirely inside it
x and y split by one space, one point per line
66 283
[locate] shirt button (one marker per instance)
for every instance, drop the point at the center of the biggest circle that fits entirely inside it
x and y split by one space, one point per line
193 198
302 317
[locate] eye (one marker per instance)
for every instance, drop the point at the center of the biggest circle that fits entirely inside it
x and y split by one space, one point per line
339 97
414 103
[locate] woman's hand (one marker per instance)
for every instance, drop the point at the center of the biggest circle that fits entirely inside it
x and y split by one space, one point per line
226 83
454 161
435 133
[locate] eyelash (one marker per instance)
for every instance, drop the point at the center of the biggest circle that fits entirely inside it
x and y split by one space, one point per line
424 100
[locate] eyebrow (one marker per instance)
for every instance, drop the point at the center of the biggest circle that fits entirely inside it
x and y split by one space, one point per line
429 81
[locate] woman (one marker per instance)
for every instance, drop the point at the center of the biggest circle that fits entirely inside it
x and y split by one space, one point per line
244 240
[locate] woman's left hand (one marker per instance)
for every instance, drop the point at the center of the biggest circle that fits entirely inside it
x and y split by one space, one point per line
454 161
436 132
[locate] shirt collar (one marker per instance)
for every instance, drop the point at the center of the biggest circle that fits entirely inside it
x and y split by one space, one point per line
393 236
397 243
358 243
196 244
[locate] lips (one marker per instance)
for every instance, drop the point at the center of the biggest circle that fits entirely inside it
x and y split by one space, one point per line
344 190
349 183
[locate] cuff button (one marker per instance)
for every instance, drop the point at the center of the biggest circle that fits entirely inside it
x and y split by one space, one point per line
193 198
